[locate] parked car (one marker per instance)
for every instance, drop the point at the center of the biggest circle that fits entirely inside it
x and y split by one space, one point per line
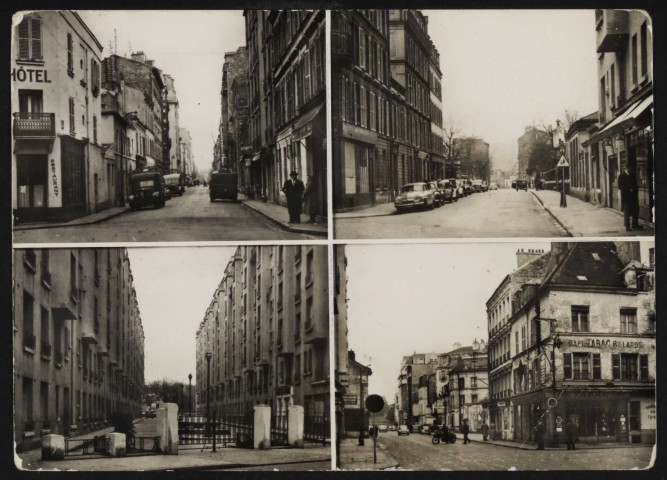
449 191
467 187
403 430
460 190
438 194
175 182
425 429
477 186
223 185
146 188
485 186
383 428
391 428
513 183
521 185
493 186
414 195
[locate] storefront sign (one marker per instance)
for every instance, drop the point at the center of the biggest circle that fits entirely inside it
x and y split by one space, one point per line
350 399
602 343
30 75
54 177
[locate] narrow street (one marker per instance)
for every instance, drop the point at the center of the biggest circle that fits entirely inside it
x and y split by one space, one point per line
492 214
191 217
416 451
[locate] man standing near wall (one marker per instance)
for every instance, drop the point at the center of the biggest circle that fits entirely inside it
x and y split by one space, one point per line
293 190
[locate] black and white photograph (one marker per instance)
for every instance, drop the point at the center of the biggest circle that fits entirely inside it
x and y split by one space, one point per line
122 365
162 126
492 123
497 356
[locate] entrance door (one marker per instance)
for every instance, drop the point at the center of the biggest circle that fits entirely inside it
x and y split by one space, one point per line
634 422
31 175
613 187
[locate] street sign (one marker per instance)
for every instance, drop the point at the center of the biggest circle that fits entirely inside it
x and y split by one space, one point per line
563 162
350 399
374 403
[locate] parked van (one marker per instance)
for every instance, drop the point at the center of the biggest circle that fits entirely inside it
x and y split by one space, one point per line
223 185
146 188
175 182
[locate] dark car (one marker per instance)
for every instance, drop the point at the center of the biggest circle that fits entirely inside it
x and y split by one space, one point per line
147 188
521 185
175 182
224 186
448 190
438 194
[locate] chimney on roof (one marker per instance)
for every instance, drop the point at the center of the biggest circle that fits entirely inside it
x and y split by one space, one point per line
525 256
351 355
139 57
628 251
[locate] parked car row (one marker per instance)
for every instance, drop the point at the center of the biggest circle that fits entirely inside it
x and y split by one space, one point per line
149 187
435 193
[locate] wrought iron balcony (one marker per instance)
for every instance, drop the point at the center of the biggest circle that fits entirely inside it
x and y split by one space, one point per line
34 125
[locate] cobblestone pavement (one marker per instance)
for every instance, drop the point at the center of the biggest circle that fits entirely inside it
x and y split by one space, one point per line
416 452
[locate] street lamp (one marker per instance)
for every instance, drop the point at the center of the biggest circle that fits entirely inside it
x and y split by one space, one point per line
190 394
208 391
563 200
362 424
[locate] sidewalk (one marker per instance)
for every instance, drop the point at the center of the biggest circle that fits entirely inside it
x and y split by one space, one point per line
379 210
278 214
190 457
354 457
87 220
583 219
477 438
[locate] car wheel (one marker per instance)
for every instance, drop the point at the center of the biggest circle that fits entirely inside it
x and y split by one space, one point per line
435 440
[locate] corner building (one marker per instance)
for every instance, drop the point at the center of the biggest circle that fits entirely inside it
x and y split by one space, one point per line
78 341
267 329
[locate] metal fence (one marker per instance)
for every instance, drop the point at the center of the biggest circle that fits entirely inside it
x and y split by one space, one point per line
86 446
316 428
230 429
279 428
144 444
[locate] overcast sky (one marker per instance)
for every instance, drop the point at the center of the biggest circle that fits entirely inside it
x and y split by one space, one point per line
506 69
174 286
188 45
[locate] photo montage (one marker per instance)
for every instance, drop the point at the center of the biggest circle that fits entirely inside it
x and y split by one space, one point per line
516 348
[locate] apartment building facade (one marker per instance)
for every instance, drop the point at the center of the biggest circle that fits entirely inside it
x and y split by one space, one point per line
267 330
58 170
624 135
78 341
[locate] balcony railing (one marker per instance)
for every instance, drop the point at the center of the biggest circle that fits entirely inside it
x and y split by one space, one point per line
30 125
29 341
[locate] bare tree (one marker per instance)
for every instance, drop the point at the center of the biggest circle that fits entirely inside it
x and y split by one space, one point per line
452 148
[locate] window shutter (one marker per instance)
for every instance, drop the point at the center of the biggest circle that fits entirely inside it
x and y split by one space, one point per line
306 76
643 367
36 36
567 365
24 40
597 369
616 366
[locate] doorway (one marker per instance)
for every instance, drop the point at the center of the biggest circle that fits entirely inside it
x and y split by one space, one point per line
31 176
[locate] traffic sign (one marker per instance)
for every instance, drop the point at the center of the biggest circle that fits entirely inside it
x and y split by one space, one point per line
563 162
374 403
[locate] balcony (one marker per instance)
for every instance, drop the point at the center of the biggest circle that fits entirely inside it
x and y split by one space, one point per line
45 350
612 30
46 276
309 279
59 357
34 125
316 331
297 297
30 260
29 342
341 45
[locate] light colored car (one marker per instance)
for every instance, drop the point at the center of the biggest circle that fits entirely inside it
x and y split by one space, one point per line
493 186
425 429
403 430
414 195
383 428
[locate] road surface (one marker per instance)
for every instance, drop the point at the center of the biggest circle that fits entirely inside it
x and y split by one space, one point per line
493 214
191 217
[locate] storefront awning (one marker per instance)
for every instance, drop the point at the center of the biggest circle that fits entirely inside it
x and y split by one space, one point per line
623 121
304 125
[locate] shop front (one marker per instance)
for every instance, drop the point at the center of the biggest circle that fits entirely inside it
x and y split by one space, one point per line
500 420
354 157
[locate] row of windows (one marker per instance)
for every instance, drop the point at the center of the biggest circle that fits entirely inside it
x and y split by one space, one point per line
417 94
370 55
416 57
378 18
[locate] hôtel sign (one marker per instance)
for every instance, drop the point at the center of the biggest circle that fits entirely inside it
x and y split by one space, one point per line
36 75
603 343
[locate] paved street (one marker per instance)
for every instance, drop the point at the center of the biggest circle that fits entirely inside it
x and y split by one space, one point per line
191 217
498 213
416 451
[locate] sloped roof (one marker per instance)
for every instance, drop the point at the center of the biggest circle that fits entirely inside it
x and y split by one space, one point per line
590 264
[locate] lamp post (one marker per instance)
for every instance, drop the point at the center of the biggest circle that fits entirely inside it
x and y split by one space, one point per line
208 391
362 423
190 392
563 200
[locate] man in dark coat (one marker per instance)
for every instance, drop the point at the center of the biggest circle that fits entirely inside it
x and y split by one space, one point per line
539 434
485 432
571 433
465 429
627 184
293 190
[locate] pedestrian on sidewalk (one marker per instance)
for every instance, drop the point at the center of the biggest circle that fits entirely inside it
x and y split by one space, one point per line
485 431
571 433
540 430
293 190
465 429
310 199
627 184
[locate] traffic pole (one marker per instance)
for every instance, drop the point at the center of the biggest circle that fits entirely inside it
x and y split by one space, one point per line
375 455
